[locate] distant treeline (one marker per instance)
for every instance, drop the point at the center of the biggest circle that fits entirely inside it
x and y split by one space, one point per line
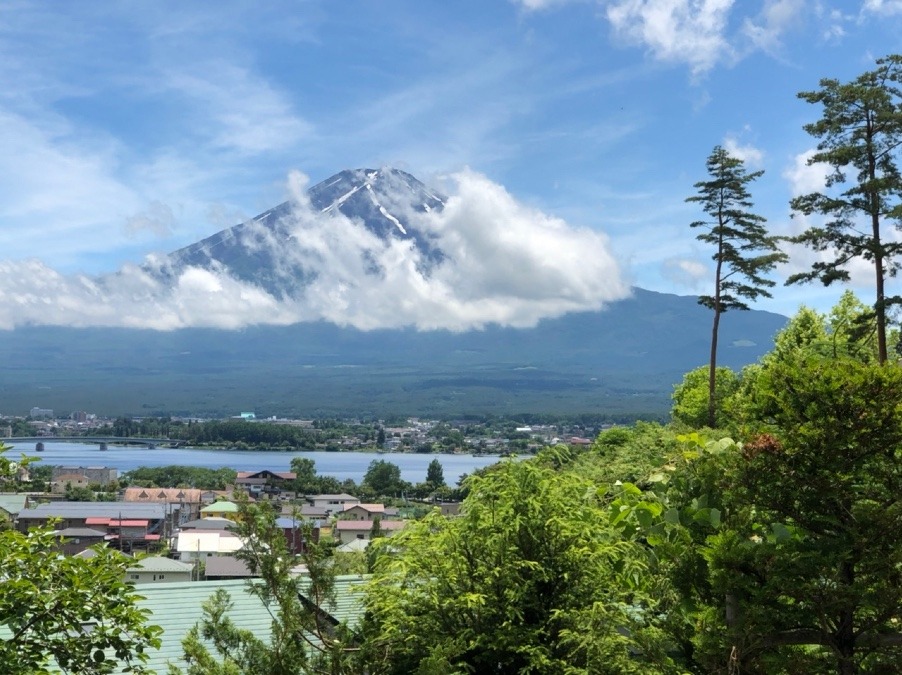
241 433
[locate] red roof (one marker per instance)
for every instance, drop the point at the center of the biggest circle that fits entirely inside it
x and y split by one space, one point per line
128 523
151 537
97 521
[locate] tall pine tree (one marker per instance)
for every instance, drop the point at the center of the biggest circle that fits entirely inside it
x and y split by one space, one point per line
743 250
860 131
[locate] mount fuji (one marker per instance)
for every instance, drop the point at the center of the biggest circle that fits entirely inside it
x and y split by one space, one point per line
330 252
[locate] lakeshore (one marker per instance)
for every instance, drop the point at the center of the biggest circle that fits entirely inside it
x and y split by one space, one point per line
341 465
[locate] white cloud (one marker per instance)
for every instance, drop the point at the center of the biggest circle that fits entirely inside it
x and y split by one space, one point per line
747 153
684 272
504 264
804 177
157 219
882 7
684 31
775 19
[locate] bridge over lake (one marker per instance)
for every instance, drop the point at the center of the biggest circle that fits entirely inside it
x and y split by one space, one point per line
102 441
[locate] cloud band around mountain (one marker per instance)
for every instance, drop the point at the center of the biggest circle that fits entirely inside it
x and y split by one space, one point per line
503 263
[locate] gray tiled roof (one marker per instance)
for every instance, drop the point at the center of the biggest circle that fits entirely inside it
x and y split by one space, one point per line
72 532
160 564
128 510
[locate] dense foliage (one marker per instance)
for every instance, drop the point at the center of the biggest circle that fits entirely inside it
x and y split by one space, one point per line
181 477
531 578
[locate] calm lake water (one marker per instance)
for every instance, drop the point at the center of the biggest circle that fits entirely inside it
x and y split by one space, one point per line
342 465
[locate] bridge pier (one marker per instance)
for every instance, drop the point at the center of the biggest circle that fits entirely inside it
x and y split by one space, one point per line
39 447
102 446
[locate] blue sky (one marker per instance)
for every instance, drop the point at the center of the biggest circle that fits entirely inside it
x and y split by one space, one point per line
132 129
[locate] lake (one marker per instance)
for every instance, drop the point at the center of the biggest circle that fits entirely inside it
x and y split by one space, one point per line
342 465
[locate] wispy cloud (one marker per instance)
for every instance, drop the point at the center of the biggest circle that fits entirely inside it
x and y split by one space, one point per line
766 31
882 7
239 110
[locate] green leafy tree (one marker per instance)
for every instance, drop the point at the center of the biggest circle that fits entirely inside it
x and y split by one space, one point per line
384 478
692 397
860 131
435 474
77 614
802 572
79 493
306 480
531 578
743 250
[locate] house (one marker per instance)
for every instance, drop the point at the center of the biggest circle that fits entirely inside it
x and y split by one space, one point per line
305 511
11 505
211 523
270 482
222 509
353 546
65 480
332 503
226 567
156 569
348 530
102 475
183 504
297 532
131 526
363 512
74 540
126 535
193 545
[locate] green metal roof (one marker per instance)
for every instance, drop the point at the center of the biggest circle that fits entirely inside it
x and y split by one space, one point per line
12 504
220 507
176 607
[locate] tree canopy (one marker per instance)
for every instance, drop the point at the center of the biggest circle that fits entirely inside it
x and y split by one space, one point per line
860 130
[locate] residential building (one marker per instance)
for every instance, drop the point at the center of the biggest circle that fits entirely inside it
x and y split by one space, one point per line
194 545
74 540
363 512
182 504
266 481
348 530
102 475
156 569
11 504
222 509
332 503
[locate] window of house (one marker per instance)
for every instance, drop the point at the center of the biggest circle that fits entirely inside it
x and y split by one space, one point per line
360 536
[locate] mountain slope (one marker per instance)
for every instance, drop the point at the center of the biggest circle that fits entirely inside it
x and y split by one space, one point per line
370 196
622 362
